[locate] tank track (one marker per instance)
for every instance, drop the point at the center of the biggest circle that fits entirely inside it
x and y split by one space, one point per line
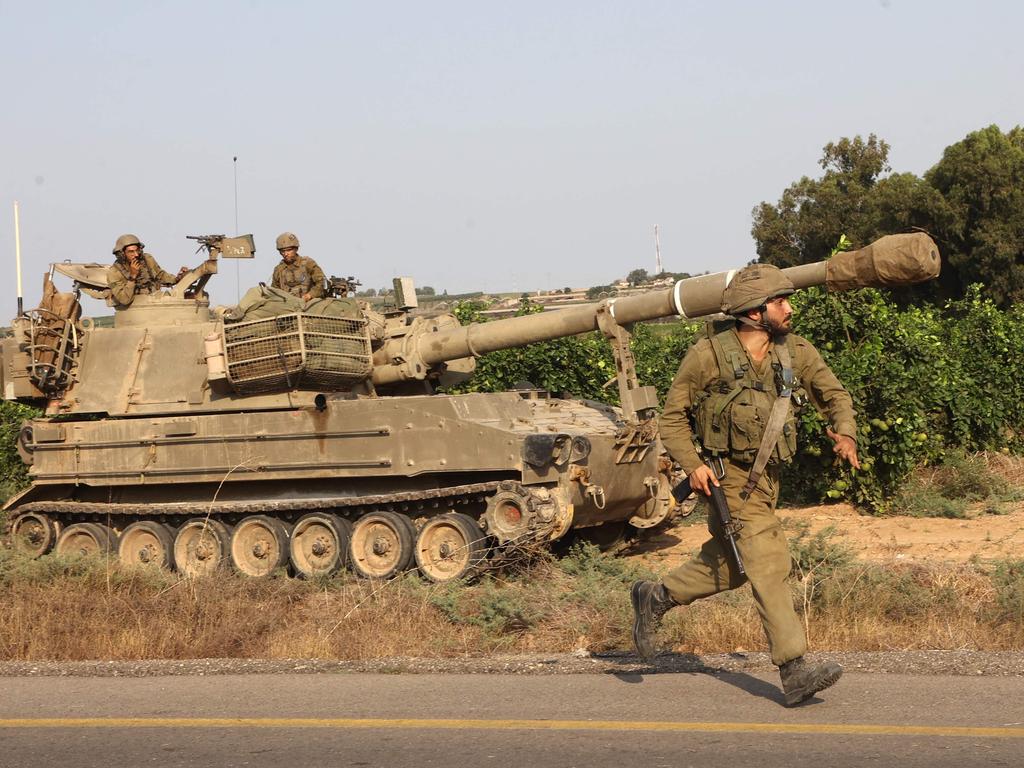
408 502
413 506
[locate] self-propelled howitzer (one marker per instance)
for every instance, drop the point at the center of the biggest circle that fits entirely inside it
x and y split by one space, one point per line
310 436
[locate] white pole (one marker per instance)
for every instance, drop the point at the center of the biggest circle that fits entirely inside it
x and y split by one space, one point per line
17 255
657 252
238 273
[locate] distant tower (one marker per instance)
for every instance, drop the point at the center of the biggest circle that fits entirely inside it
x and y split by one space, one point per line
658 269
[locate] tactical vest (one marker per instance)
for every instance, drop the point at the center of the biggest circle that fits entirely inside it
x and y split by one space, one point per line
296 278
146 281
730 416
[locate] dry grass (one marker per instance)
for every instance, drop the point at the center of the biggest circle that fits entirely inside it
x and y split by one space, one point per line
869 608
76 609
963 485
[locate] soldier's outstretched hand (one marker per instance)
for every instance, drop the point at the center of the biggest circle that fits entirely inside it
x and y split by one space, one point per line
845 447
702 478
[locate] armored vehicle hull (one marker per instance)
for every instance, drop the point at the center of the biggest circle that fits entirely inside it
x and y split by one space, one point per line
519 460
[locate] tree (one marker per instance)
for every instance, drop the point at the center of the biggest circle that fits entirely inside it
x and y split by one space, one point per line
637 276
812 213
426 290
982 182
853 197
600 291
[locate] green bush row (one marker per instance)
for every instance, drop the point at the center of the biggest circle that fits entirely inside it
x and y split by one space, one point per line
924 379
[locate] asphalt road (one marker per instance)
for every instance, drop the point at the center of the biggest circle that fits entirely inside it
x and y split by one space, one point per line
593 720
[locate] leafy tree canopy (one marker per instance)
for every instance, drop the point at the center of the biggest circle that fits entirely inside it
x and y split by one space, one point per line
637 276
971 202
982 182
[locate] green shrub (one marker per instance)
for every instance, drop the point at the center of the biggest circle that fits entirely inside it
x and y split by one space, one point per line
598 578
817 558
1008 582
496 608
13 472
947 490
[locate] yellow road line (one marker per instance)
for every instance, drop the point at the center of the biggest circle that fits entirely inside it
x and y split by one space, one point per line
508 725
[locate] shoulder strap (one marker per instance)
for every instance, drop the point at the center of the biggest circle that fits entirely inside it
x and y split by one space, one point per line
730 358
776 420
729 354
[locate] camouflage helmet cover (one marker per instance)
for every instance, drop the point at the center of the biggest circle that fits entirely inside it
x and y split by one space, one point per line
124 241
753 286
287 240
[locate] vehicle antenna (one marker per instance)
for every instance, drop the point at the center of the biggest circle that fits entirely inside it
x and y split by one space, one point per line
17 256
238 279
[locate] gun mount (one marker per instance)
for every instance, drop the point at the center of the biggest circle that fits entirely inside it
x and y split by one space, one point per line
309 435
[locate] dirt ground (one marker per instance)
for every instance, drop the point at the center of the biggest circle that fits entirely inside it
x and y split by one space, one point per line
909 539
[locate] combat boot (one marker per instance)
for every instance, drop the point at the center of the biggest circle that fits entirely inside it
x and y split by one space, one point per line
800 681
651 602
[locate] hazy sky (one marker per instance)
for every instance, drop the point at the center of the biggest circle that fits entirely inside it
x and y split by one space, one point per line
471 145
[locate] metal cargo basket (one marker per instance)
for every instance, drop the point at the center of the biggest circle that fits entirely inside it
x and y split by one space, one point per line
297 351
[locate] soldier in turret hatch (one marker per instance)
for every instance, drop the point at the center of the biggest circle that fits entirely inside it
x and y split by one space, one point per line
299 275
136 272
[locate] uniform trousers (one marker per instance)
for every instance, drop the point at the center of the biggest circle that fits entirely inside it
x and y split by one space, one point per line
766 559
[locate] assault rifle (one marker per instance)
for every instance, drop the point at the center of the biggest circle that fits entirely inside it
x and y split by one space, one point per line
720 506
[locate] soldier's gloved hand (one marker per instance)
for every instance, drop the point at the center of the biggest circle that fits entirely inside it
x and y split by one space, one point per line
702 478
845 447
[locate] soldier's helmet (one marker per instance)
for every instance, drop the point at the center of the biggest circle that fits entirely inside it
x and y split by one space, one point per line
753 286
287 240
124 241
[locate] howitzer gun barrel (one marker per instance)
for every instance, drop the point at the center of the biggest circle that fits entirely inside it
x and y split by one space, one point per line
894 260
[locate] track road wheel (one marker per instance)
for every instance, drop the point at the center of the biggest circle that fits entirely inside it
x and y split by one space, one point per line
382 545
33 534
449 547
259 546
147 543
202 547
86 539
319 544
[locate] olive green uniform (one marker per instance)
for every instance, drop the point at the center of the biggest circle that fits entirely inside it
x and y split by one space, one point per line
151 278
299 278
761 541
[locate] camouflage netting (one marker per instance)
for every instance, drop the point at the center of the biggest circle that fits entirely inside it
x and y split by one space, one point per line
263 301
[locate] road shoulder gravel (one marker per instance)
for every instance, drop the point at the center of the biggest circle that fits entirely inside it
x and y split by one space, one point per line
968 663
